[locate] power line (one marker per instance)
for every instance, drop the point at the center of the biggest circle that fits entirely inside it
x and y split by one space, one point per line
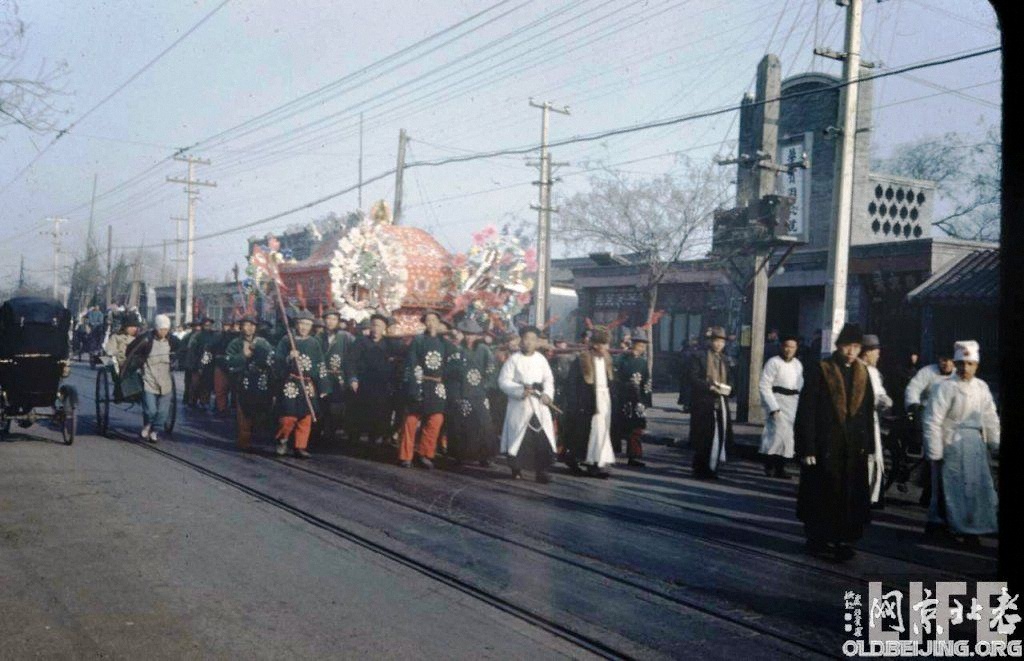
353 75
141 175
115 92
598 136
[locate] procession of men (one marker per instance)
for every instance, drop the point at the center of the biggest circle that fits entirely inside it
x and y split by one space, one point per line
470 394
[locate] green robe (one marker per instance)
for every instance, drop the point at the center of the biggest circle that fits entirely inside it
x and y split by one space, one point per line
253 376
290 401
425 366
338 356
633 394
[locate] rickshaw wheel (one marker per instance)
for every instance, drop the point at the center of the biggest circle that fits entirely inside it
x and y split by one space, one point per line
68 413
172 410
102 401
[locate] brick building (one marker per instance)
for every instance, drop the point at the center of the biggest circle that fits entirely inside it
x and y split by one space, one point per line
892 252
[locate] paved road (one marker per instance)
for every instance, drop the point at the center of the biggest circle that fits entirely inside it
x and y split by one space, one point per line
189 548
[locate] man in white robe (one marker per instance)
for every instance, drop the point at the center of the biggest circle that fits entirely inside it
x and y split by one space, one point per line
961 427
527 380
915 398
782 379
870 352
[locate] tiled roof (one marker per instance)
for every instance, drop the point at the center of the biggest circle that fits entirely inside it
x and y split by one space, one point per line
974 278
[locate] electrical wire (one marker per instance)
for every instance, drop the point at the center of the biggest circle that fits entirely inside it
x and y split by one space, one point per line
600 135
112 94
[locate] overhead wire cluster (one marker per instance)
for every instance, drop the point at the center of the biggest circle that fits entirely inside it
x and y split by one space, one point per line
308 124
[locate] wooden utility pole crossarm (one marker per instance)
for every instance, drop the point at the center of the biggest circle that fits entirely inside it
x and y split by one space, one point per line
839 244
544 216
190 184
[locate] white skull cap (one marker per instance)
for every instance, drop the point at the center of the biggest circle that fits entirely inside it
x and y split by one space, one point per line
967 350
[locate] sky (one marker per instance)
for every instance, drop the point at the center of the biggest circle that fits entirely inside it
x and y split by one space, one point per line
271 94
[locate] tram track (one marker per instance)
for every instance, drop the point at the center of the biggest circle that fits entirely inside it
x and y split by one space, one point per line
470 588
548 624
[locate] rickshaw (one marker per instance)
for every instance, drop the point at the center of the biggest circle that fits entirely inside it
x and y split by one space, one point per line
34 359
111 387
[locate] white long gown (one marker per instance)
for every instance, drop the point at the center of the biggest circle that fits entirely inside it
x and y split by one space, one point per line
599 446
777 437
961 428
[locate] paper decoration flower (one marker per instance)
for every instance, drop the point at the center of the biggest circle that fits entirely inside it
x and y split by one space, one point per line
492 281
368 272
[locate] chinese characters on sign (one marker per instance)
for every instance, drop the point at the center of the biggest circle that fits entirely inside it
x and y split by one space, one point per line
918 622
797 182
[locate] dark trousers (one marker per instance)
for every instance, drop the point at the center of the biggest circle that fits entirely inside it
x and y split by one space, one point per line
535 447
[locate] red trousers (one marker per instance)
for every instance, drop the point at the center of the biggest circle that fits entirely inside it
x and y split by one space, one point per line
244 439
427 444
221 388
301 426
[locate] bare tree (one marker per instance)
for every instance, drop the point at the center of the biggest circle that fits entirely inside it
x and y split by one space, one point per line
26 99
966 174
659 219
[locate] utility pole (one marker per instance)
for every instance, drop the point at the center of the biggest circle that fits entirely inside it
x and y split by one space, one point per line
190 183
544 216
766 131
839 244
177 268
110 264
360 206
403 139
56 233
21 275
758 214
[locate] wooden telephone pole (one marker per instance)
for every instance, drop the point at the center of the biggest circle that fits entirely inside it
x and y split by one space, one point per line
403 140
544 210
190 189
758 212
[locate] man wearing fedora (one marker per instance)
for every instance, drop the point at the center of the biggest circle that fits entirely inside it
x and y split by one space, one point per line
588 412
708 378
834 439
633 389
961 429
425 394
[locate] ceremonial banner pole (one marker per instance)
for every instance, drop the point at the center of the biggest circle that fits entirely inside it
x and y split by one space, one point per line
272 265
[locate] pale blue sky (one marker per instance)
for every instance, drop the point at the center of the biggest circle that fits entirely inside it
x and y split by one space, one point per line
614 62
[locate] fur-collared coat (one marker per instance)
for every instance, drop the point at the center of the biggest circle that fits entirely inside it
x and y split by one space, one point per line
835 424
581 401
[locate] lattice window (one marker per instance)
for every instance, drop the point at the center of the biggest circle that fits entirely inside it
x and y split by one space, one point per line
895 210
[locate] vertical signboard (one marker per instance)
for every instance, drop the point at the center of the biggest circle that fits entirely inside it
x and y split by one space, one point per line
797 182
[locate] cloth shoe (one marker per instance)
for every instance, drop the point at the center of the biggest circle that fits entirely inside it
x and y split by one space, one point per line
405 464
301 453
423 462
282 447
542 477
145 432
636 462
153 438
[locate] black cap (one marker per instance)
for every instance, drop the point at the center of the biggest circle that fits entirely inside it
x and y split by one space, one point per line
851 334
